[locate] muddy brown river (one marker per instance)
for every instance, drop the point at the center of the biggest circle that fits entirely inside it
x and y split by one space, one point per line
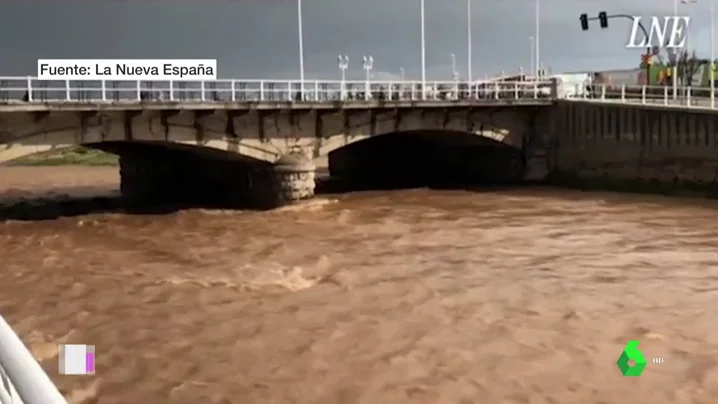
411 296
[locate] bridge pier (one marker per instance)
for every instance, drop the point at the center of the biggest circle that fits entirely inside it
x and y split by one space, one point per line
155 178
293 178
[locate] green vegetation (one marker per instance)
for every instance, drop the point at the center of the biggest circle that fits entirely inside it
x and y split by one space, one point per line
692 70
68 156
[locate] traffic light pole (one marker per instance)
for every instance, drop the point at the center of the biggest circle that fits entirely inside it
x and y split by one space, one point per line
612 16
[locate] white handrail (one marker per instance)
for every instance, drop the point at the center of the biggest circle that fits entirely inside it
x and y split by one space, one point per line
31 89
24 381
693 97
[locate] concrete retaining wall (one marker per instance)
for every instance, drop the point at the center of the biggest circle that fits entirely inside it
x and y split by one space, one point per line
636 148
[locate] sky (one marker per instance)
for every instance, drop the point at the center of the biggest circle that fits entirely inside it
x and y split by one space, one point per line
258 39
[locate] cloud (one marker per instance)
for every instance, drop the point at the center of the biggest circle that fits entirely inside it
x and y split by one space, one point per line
258 39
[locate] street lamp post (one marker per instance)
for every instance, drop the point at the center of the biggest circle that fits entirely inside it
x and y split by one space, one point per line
537 39
468 39
454 73
368 64
423 52
343 65
713 56
301 48
402 75
675 67
532 66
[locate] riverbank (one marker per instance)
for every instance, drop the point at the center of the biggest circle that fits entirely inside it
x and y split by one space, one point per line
68 156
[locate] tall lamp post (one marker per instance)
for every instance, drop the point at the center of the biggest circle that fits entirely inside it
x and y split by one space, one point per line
423 52
343 61
675 67
713 56
301 47
468 39
368 64
454 73
532 66
688 38
537 39
402 75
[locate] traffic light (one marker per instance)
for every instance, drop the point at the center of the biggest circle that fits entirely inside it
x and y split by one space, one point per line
603 19
584 22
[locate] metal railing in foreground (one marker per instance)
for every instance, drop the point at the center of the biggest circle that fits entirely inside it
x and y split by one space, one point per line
697 97
23 380
32 90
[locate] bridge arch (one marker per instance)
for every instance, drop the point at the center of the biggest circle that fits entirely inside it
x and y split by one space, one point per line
260 135
428 155
495 138
340 129
27 134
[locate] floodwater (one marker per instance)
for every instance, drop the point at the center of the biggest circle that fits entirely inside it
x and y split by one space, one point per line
413 296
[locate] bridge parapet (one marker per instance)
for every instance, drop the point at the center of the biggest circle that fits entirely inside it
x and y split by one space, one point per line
30 93
31 90
650 96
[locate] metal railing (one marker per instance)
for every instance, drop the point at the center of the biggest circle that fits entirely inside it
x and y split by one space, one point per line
23 380
697 97
33 90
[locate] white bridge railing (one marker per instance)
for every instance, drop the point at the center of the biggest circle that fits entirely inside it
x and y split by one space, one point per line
697 97
30 89
33 90
22 380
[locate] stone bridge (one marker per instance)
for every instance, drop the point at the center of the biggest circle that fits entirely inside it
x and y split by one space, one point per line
262 144
269 150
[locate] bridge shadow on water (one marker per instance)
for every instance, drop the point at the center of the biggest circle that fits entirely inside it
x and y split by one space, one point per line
54 207
39 208
330 186
70 204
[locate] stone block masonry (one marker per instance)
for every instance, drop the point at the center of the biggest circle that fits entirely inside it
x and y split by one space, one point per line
262 156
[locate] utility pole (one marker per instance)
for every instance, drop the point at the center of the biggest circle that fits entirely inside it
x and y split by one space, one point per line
468 28
301 47
423 52
713 56
538 40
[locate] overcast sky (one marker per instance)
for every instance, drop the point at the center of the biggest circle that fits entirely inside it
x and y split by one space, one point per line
255 39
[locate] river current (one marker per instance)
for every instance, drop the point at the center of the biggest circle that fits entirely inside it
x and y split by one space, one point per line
408 296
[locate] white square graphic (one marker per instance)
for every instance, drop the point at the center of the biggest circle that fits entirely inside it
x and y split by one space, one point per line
72 359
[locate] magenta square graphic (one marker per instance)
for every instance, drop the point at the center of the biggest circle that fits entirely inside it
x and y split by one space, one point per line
90 362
